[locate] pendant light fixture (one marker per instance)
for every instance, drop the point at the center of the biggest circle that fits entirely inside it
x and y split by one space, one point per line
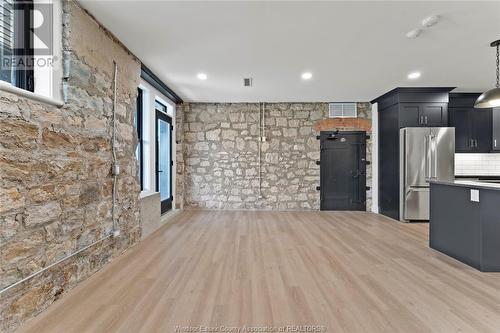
491 98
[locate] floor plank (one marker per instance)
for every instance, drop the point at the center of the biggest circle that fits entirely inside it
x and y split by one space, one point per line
346 271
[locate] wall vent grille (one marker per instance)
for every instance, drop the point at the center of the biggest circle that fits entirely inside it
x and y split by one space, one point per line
247 82
343 110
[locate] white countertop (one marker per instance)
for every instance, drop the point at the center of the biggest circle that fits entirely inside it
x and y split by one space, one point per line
469 183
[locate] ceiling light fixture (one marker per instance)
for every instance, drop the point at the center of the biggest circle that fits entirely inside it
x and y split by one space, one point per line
307 76
431 20
414 75
202 76
413 33
491 98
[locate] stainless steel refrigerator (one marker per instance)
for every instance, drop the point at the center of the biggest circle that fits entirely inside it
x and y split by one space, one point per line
425 153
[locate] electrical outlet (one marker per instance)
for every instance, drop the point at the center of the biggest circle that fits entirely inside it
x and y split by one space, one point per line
474 195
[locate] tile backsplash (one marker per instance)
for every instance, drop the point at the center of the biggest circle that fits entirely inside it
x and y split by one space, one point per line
477 164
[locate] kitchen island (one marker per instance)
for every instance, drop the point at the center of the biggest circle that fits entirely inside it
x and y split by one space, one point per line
465 222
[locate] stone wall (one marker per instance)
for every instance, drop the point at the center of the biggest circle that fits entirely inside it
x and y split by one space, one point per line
180 112
221 155
55 181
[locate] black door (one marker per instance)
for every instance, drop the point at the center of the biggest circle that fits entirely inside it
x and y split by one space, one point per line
164 159
343 170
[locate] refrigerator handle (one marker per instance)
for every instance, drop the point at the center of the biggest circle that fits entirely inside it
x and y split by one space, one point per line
427 157
434 148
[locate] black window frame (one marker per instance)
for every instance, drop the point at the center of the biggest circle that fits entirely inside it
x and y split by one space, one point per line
161 114
139 129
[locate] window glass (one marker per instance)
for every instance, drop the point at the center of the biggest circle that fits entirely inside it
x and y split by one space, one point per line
160 107
26 44
139 149
6 40
164 159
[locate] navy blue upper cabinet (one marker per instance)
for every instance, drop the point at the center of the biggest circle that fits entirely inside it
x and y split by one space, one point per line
423 114
473 127
460 119
482 134
434 114
496 129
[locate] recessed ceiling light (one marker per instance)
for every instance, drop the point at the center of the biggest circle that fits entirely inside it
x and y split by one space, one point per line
431 20
202 76
413 33
307 76
414 75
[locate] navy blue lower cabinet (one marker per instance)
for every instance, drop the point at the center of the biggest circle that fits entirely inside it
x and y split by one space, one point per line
464 228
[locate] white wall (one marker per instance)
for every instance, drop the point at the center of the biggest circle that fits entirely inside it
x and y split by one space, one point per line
150 94
375 158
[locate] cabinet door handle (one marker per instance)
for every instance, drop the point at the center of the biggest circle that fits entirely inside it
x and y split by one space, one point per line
495 141
426 120
421 120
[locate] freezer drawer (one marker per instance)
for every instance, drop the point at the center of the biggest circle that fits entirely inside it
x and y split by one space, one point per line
416 205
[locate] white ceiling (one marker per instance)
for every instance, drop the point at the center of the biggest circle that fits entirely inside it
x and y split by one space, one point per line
355 50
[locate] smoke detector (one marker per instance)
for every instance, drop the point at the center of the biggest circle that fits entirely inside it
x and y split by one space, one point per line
429 21
247 82
413 33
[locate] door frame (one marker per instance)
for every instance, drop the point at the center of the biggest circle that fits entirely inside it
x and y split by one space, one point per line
166 205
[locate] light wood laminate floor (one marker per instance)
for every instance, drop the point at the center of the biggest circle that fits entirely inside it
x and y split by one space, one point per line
346 271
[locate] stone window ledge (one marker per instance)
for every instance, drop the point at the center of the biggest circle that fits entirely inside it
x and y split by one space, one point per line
145 194
7 87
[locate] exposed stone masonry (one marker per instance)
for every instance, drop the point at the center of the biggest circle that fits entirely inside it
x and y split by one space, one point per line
179 157
55 181
221 164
